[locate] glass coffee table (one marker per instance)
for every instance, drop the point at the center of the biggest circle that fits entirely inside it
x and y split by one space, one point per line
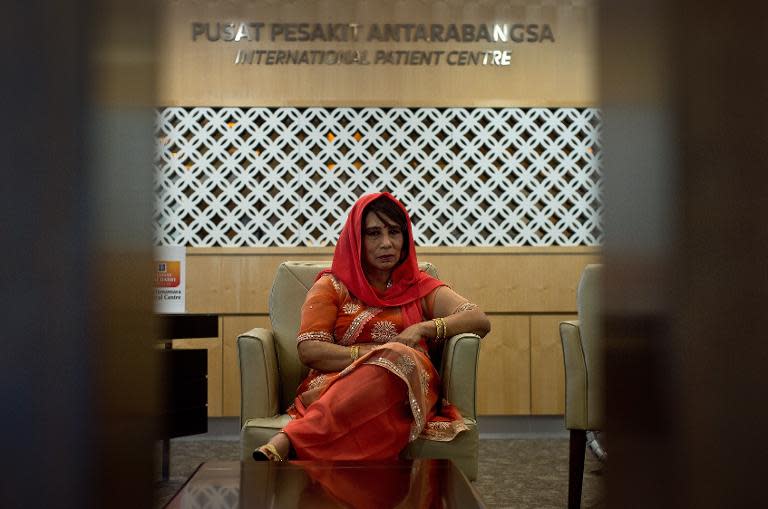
424 483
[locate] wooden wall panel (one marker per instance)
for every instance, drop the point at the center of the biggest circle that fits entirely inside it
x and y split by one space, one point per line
512 280
526 290
503 375
218 282
215 388
515 282
233 326
203 284
547 370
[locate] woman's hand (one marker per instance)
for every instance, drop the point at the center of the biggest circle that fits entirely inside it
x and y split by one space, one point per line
367 347
411 336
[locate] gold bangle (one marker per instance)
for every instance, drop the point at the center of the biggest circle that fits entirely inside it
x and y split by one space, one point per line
440 329
354 352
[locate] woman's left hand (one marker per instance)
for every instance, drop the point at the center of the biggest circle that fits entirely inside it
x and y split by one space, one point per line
410 336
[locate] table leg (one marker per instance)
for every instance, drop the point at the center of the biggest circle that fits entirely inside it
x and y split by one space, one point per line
166 458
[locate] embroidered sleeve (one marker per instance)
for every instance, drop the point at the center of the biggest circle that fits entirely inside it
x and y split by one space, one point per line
319 335
464 306
318 314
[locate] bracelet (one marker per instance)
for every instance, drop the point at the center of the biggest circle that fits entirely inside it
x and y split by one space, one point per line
440 329
354 352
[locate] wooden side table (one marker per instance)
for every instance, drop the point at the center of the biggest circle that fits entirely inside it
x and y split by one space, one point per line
183 379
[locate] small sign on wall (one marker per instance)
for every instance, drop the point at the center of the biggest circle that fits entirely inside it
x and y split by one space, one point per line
170 279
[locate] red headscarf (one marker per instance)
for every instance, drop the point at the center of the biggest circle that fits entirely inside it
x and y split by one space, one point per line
409 285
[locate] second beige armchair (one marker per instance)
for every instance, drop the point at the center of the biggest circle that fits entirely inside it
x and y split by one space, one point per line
583 354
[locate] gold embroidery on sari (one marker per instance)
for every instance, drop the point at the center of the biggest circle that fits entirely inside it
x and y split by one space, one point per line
315 335
403 367
351 308
443 431
424 375
405 364
317 382
336 284
383 331
416 410
356 327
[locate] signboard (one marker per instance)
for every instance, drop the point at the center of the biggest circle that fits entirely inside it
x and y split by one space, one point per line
383 53
497 36
170 279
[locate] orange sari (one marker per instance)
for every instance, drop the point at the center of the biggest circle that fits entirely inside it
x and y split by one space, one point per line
361 412
389 396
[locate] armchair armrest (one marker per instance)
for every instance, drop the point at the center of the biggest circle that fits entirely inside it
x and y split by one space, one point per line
460 372
259 394
575 376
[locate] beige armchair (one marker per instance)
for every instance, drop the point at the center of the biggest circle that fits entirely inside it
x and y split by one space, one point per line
270 372
582 352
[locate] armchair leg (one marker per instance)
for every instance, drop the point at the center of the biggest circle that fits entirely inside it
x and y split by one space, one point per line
576 467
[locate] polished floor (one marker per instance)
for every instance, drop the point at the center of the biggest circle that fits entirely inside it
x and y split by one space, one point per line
524 473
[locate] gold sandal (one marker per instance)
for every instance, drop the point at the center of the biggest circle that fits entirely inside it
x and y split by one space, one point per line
267 452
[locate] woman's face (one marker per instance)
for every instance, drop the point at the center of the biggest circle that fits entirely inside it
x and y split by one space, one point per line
382 242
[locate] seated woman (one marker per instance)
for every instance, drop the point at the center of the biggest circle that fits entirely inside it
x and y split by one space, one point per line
367 326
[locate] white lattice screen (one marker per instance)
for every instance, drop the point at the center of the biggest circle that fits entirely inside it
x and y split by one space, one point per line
287 176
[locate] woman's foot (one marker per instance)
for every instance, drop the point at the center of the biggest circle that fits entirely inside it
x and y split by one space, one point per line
277 449
267 452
